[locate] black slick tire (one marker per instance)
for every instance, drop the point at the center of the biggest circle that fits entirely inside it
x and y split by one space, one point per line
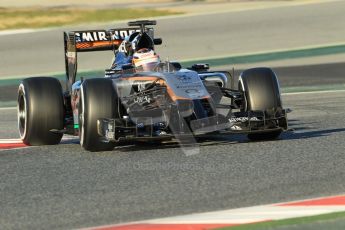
40 110
262 92
98 100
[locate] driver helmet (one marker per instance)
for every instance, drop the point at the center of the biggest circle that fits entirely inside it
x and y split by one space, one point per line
145 59
128 45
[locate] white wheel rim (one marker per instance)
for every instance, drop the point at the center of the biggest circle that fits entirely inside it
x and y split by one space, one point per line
22 113
81 116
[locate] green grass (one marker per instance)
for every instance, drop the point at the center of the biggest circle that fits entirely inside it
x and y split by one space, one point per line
35 17
287 222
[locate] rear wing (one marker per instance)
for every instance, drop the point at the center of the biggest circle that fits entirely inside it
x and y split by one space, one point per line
99 40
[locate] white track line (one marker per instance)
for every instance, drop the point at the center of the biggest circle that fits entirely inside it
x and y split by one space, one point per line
11 141
247 215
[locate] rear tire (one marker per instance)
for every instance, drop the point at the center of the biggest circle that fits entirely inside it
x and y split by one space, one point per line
262 92
98 99
40 109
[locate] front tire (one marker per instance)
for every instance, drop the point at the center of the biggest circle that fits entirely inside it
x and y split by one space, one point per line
98 100
40 109
262 93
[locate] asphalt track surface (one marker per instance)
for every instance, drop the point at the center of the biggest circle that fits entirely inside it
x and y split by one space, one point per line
63 186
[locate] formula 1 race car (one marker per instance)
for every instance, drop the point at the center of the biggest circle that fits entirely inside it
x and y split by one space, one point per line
165 103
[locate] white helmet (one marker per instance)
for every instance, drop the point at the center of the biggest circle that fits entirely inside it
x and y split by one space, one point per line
145 59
